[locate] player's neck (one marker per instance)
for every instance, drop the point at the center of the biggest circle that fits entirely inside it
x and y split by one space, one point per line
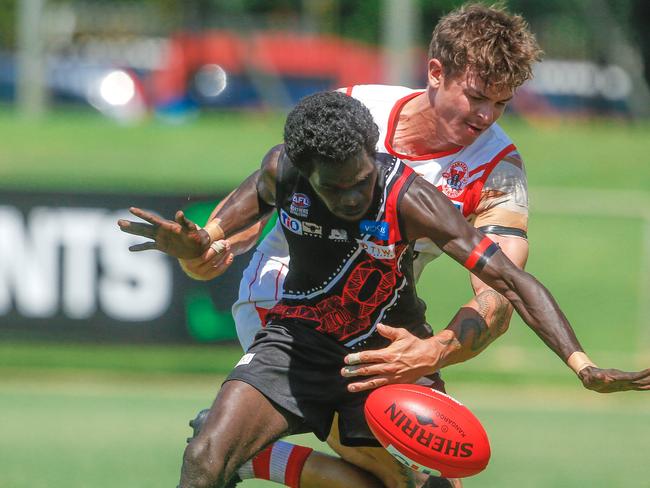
416 131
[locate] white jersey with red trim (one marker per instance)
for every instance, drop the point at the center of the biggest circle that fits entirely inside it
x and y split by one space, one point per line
466 175
460 174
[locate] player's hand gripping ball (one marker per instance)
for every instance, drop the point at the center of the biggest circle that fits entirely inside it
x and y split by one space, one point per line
427 430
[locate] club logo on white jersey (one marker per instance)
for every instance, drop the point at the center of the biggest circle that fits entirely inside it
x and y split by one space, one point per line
291 224
311 229
300 204
338 235
454 179
377 251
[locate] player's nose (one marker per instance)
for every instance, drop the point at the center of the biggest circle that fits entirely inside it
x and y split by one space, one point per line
486 114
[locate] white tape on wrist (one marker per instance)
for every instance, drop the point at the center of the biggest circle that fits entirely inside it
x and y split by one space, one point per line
579 361
214 230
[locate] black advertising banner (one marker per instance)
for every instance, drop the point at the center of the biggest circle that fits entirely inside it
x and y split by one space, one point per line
66 273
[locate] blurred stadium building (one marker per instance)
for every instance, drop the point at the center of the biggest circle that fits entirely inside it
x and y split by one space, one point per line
128 59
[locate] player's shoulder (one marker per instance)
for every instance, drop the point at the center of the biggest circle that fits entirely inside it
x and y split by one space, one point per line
494 137
370 94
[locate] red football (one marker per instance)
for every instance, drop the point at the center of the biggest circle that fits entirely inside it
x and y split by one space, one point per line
428 431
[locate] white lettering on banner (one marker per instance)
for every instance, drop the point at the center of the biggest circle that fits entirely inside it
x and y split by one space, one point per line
377 251
79 229
82 251
28 258
136 286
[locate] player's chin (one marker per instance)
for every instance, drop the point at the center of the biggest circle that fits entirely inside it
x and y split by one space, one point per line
350 215
469 137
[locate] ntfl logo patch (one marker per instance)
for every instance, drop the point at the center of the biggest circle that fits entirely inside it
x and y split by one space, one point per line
380 229
455 179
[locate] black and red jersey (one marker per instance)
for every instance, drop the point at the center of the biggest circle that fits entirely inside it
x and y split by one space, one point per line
346 277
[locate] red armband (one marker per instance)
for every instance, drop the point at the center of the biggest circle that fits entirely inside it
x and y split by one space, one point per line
479 256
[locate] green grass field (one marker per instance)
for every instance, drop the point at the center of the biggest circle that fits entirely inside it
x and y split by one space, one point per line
79 416
89 429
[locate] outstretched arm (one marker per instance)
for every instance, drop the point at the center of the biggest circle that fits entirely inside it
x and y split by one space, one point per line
426 213
533 302
181 238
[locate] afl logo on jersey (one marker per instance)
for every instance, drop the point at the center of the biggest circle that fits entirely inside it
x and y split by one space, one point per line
455 179
300 204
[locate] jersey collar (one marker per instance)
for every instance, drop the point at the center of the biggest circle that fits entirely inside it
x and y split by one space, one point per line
390 133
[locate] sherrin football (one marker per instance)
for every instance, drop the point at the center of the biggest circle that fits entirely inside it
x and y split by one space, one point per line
427 430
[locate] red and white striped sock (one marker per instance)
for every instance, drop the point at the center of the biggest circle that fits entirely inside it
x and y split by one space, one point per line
281 462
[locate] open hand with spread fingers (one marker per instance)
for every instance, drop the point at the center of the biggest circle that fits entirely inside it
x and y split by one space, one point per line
180 237
613 380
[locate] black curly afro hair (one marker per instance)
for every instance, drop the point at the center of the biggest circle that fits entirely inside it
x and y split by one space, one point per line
330 128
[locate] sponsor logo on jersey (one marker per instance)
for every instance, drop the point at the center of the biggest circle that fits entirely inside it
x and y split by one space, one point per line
377 251
311 229
300 204
291 224
378 229
338 235
454 179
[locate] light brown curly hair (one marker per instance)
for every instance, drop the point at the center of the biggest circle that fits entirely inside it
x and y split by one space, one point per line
495 45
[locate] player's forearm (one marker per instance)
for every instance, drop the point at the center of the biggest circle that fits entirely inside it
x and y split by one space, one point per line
474 327
539 310
243 241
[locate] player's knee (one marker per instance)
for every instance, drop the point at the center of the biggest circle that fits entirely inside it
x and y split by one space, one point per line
203 466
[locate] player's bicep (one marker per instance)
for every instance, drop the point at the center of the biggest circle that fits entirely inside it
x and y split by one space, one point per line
267 178
503 202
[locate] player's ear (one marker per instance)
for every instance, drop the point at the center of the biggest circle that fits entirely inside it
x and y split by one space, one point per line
434 73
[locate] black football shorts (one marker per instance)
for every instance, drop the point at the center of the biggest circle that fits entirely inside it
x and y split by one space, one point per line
298 369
